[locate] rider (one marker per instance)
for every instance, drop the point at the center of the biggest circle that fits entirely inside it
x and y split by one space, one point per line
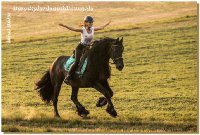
87 33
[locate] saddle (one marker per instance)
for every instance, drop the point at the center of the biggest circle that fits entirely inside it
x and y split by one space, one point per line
82 63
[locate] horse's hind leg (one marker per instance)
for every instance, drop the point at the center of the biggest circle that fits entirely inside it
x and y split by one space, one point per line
55 100
81 109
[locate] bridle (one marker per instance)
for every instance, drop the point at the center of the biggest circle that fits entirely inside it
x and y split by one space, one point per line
118 58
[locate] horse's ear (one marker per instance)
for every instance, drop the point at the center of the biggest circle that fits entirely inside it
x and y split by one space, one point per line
117 39
121 41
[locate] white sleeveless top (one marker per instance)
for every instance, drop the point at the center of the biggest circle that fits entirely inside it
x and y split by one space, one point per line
85 37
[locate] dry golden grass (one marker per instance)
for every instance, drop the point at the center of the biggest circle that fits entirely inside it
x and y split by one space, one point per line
155 92
29 25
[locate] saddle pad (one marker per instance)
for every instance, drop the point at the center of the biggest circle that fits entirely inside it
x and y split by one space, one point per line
70 61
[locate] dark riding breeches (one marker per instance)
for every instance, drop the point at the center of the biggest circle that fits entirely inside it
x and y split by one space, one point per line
78 54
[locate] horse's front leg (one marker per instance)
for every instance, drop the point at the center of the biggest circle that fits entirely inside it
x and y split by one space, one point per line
80 108
110 108
102 100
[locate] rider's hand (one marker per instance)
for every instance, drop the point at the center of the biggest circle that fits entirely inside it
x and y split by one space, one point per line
109 22
61 24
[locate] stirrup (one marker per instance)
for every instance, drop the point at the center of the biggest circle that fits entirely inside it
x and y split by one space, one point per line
67 79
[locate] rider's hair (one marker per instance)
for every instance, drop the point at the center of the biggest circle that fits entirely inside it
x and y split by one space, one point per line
82 24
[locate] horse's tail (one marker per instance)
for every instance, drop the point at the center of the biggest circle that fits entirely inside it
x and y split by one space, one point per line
45 87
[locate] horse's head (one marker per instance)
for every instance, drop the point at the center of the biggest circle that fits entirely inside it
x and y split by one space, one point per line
117 49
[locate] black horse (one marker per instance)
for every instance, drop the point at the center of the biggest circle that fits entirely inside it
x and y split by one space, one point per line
96 76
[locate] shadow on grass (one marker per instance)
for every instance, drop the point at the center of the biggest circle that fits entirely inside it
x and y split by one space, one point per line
50 124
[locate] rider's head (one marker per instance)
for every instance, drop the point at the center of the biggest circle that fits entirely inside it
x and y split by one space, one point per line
88 21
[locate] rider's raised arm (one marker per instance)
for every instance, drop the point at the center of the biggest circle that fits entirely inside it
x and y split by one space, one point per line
101 27
71 28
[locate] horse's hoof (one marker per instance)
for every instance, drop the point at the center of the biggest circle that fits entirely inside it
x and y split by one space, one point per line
83 112
112 112
102 101
57 116
84 116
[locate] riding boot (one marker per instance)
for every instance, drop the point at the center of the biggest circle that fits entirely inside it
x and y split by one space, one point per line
70 73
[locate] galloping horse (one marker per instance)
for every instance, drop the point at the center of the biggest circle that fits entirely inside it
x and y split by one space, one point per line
96 76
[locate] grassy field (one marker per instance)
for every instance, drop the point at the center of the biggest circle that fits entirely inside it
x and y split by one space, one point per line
155 92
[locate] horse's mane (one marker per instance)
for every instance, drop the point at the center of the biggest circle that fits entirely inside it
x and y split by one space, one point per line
99 47
98 57
105 40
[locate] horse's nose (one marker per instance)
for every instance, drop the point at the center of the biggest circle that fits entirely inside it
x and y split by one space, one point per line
120 67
